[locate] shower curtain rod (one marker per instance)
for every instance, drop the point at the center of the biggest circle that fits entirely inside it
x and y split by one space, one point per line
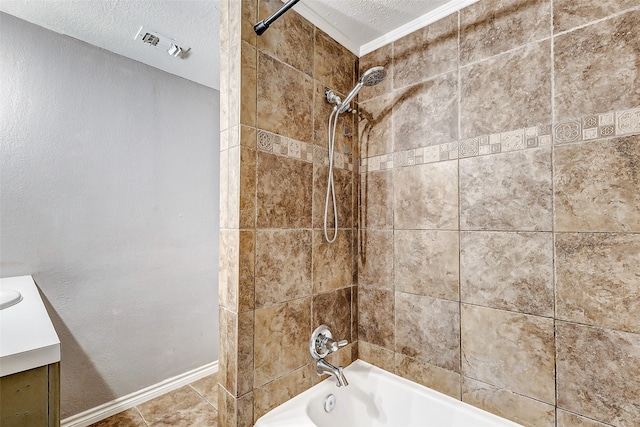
263 25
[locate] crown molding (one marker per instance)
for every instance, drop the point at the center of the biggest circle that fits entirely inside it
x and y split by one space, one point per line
418 23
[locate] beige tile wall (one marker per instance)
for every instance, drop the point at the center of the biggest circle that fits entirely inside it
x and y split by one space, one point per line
492 231
499 258
278 278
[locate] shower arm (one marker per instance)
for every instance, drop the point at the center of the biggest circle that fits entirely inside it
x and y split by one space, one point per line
263 25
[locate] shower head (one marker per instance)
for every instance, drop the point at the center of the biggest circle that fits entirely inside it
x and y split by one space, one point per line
371 77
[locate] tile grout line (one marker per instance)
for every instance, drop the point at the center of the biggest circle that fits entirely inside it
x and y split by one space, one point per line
142 416
504 310
584 416
490 230
459 213
202 396
597 21
503 388
542 39
553 215
461 65
313 186
552 66
255 238
506 52
392 225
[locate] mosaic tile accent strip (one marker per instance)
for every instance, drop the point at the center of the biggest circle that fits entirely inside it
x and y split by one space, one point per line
567 132
513 140
320 156
592 127
287 147
265 141
628 121
469 147
587 128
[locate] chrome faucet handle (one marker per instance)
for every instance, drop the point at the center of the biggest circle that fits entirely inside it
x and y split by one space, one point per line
322 343
334 346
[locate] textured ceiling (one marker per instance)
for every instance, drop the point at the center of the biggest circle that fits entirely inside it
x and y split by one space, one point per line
365 25
376 17
360 25
113 24
366 20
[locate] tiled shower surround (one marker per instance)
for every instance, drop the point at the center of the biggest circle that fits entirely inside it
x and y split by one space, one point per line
499 252
490 197
278 278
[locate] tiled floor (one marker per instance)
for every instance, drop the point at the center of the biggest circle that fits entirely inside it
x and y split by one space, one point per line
195 404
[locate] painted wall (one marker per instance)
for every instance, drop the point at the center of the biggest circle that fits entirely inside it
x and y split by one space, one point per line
109 198
500 258
278 278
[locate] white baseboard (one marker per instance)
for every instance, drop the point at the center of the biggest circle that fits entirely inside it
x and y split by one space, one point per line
123 403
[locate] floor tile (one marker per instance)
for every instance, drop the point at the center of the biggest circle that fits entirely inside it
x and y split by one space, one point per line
129 418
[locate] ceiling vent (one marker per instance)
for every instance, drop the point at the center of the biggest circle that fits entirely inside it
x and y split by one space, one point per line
164 43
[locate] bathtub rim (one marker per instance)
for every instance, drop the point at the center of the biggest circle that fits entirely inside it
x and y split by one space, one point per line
295 414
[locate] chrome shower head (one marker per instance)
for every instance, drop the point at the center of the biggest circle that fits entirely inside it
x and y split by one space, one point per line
371 77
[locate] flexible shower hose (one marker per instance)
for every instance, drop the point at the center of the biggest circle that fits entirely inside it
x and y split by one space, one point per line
331 191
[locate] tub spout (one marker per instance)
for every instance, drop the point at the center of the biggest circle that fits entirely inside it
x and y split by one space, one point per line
324 367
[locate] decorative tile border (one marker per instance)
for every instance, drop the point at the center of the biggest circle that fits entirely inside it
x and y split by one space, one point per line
282 146
592 127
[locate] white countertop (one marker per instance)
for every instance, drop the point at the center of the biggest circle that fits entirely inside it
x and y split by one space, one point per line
27 337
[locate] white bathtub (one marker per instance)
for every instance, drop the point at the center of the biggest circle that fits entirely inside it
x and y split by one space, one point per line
376 398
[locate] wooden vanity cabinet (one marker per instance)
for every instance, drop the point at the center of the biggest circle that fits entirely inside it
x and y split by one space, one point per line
31 398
